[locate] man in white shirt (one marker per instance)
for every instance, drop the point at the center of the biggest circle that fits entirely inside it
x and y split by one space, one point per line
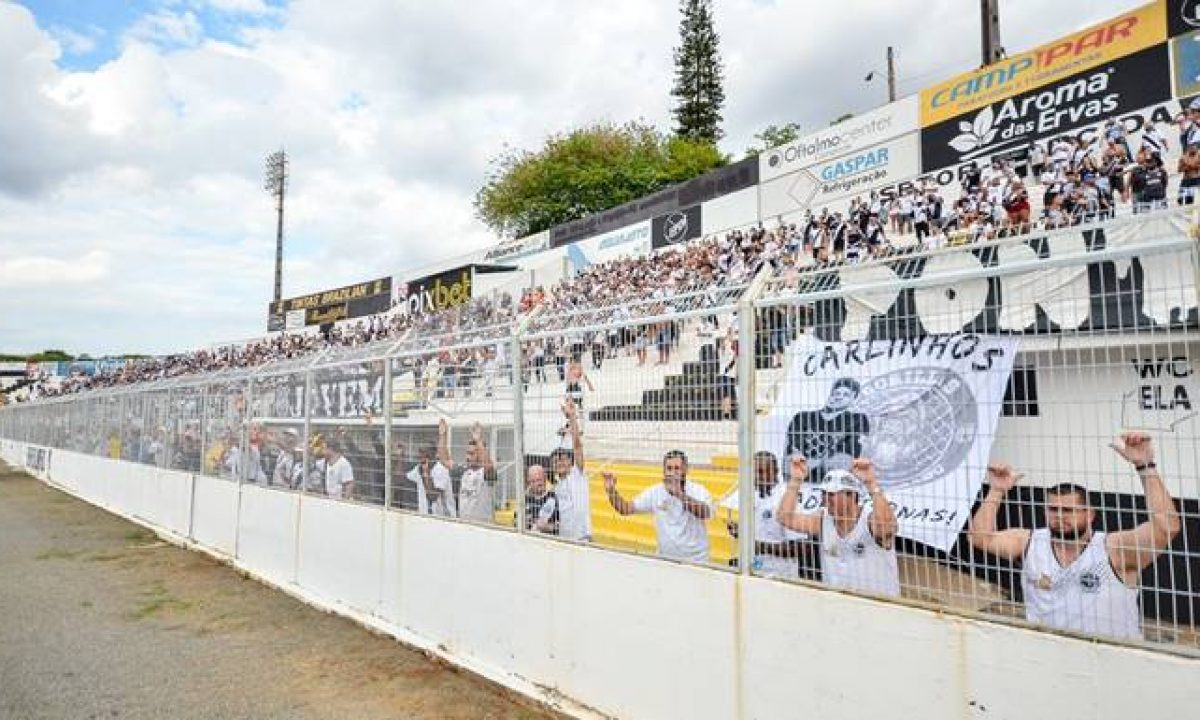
339 476
570 485
680 509
476 475
435 492
288 467
776 550
857 546
1075 578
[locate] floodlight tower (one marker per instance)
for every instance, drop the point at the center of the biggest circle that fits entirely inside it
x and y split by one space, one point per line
275 183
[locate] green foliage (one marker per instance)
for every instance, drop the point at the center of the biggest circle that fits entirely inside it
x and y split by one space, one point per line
43 356
585 171
773 136
698 90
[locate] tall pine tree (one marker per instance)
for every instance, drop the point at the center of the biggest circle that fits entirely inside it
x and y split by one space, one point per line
699 77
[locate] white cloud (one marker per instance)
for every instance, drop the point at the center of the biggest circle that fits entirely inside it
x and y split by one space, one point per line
132 192
239 7
75 43
167 28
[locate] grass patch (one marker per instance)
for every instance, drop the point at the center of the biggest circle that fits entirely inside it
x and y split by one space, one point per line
86 604
56 554
140 535
105 556
156 600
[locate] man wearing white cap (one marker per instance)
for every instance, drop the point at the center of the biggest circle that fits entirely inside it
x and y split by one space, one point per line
857 545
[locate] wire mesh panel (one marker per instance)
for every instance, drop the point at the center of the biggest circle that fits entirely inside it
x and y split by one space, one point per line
278 433
222 424
630 430
185 428
452 429
1004 428
346 443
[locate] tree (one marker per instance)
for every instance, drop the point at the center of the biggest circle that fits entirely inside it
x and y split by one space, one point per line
585 171
699 76
773 136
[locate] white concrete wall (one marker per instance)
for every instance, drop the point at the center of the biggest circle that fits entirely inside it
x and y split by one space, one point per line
633 636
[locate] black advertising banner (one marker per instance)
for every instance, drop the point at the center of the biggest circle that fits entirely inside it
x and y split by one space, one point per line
351 301
1183 16
1111 90
434 293
738 176
675 227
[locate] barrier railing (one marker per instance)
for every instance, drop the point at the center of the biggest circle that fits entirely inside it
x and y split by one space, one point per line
930 427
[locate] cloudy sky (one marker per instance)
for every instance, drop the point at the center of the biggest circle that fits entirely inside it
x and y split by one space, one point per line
132 133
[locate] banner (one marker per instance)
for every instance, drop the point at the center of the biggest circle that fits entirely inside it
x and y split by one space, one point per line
676 227
891 120
841 178
632 240
1183 16
434 293
327 306
1046 64
1080 100
923 410
722 181
519 248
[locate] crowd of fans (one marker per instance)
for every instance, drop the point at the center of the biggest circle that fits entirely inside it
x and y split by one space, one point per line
1070 180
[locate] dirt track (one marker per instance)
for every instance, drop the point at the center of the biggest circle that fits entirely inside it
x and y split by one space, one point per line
99 619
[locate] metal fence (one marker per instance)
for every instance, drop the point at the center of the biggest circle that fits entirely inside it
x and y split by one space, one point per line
931 425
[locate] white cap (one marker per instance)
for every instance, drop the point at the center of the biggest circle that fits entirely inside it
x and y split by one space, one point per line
841 480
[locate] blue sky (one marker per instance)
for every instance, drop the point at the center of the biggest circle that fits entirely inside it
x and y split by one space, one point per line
91 31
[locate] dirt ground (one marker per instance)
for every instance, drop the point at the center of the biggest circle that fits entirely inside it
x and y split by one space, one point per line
100 619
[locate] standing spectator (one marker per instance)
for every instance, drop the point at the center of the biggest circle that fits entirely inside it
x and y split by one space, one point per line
1189 169
476 476
774 553
1074 577
288 468
576 379
570 482
338 475
542 513
857 546
435 490
680 509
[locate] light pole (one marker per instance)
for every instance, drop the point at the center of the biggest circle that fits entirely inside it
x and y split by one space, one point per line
275 183
891 74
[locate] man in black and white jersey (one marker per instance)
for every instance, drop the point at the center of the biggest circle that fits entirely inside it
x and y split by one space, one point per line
1075 577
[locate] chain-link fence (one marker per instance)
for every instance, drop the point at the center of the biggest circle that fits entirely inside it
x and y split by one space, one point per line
1005 428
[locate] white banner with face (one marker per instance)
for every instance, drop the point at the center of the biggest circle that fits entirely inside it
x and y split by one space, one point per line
924 411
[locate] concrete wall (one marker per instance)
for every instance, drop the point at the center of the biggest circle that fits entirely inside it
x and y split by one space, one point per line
631 636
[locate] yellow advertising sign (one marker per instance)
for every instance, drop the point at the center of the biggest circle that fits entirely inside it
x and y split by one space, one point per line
1100 43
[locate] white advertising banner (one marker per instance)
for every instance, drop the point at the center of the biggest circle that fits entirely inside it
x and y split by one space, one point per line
518 248
923 410
630 240
891 120
832 183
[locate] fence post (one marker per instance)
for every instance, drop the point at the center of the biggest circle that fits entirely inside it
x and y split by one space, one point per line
387 432
516 352
747 414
